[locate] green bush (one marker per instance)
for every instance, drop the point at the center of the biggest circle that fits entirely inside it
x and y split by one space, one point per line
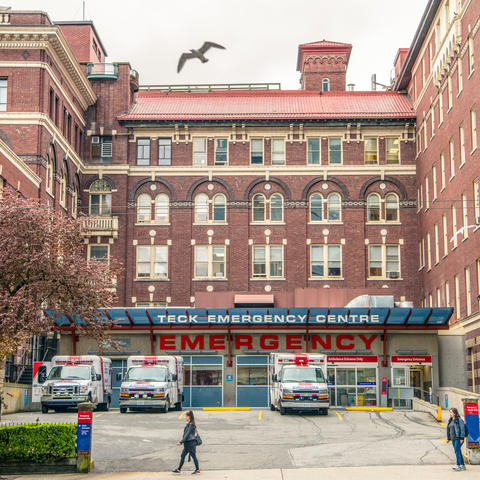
37 443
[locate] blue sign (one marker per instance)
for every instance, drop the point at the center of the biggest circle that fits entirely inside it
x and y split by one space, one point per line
472 421
25 397
366 383
229 378
84 437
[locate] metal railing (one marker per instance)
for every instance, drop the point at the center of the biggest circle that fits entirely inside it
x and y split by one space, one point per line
103 224
211 87
426 396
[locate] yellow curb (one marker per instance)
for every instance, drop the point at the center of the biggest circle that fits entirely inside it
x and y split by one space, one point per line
100 414
260 415
442 424
229 409
338 415
369 409
181 415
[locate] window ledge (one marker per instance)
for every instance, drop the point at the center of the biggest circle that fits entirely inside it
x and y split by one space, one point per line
384 279
327 222
151 279
459 93
210 222
449 110
440 124
271 279
385 222
209 279
451 178
471 73
442 189
445 256
151 224
476 228
462 164
464 238
325 279
266 223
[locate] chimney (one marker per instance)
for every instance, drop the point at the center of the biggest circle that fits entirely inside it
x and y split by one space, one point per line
323 65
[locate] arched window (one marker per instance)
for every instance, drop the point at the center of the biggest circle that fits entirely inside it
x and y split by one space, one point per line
144 208
316 207
219 208
161 208
49 175
334 207
325 85
276 208
201 208
391 207
100 198
259 207
373 207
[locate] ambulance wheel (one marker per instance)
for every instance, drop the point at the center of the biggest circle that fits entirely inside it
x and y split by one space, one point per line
166 408
272 407
323 411
123 409
283 411
44 409
178 406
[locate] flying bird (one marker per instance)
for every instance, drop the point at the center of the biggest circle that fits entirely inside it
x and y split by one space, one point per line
200 54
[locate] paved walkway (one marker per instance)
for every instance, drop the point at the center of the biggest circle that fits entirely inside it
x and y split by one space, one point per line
425 472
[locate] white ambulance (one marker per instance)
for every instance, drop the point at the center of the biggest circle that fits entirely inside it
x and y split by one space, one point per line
299 382
69 380
152 382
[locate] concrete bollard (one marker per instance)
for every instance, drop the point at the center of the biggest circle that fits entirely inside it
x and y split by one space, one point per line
84 437
470 410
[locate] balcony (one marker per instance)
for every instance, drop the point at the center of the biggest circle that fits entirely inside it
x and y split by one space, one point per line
101 226
101 71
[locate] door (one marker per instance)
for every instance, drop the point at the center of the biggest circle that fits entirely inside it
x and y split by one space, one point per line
203 381
401 378
252 381
118 366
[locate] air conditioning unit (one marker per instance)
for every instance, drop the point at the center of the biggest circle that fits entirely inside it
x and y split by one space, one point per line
96 139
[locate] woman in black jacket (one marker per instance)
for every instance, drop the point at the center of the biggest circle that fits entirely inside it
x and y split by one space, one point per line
189 442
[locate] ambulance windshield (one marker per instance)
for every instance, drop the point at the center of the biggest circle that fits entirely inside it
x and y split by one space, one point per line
303 374
70 372
146 374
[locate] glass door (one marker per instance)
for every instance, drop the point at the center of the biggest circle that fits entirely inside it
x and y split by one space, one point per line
401 378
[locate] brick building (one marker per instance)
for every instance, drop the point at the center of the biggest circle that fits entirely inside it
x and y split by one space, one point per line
214 198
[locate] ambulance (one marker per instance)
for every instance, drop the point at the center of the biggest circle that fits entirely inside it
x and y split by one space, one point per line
69 380
299 382
152 382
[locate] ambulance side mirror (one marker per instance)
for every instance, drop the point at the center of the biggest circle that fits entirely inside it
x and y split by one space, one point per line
174 377
98 377
119 377
274 377
42 373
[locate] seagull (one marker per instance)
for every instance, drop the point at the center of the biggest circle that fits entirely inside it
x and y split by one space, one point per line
200 54
462 230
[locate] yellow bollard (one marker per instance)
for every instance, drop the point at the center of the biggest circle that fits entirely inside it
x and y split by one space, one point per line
439 414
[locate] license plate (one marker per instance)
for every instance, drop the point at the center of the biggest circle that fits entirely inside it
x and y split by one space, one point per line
141 402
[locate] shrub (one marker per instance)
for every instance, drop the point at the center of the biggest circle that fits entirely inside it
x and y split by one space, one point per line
37 443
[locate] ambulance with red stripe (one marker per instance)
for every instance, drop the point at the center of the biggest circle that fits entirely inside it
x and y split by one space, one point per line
299 382
69 380
152 382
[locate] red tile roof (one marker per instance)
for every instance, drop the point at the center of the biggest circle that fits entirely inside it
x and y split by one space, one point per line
273 104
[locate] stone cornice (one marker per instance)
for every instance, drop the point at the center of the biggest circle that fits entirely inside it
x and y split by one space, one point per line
19 163
51 39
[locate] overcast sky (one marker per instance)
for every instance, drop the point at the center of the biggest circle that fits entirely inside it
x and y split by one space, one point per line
261 36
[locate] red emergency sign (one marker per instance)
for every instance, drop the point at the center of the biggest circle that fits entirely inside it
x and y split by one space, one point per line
84 416
412 359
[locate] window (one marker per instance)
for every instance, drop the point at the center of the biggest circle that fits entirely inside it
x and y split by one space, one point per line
438 297
256 151
219 208
473 126
391 208
452 158
440 107
3 94
478 283
476 201
164 151
49 175
462 145
75 139
57 107
267 261
373 208
454 226
465 215
393 150
161 208
98 253
471 60
210 261
221 151
425 139
334 208
316 207
69 128
442 167
371 151
151 304
64 123
384 261
102 149
468 293
276 208
432 121
429 251
427 194
259 207
313 151
144 208
143 151
445 235
63 189
437 244
334 150
450 93
459 74
447 294
74 202
457 296
51 101
199 151
421 260
100 198
201 208
434 181
278 151
325 261
152 261
325 85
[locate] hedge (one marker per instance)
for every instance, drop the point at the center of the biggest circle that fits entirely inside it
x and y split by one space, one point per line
37 443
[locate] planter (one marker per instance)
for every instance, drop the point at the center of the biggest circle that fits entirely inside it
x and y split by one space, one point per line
69 465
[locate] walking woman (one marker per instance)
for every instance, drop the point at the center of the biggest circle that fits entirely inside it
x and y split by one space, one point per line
189 442
456 434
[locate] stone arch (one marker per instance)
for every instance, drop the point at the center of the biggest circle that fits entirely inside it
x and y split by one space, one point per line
96 177
143 181
195 185
335 180
387 178
257 181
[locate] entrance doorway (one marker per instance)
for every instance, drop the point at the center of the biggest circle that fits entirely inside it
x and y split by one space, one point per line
203 381
252 380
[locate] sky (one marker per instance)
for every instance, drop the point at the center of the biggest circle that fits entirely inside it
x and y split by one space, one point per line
261 36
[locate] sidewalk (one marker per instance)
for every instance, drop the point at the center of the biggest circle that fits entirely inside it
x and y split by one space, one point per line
396 472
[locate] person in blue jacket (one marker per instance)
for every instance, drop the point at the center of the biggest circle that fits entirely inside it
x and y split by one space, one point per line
456 434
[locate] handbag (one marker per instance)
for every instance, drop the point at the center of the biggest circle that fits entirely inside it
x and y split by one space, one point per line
198 438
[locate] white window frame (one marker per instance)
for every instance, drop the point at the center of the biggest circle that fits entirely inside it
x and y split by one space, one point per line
165 160
398 162
476 201
212 218
330 150
450 93
429 252
369 197
434 182
63 190
155 207
451 146
443 172
459 74
427 193
473 127
89 251
454 226
457 295
152 275
197 208
260 140
384 275
210 262
267 217
49 177
326 260
471 55
145 150
148 216
197 154
445 235
461 132
447 293
465 215
3 94
268 262
275 142
105 191
322 208
437 244
468 290
74 202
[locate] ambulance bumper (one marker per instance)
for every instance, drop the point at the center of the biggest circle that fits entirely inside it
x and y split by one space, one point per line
147 403
299 405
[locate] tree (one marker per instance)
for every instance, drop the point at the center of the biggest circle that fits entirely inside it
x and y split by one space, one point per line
43 266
